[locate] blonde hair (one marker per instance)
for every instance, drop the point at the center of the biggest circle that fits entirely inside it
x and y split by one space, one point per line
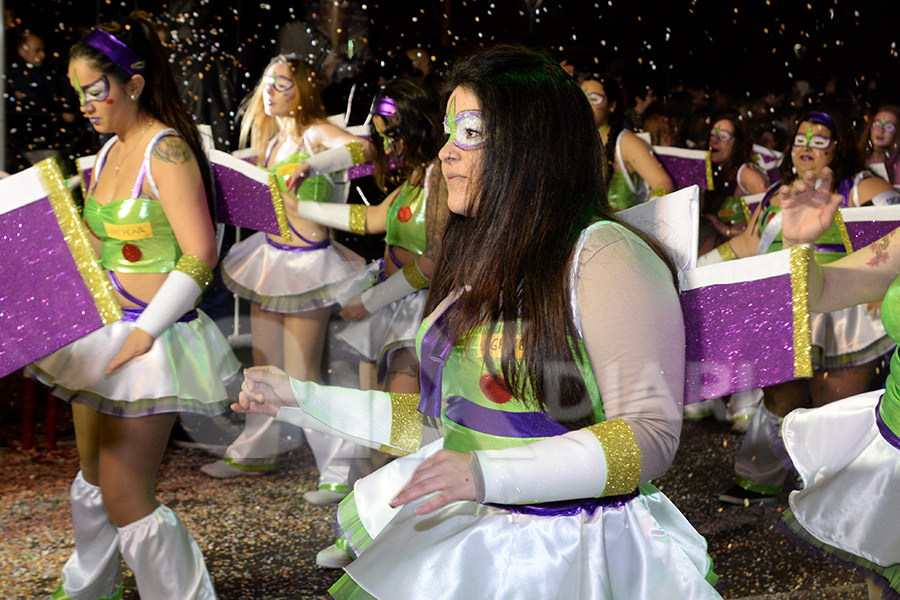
259 127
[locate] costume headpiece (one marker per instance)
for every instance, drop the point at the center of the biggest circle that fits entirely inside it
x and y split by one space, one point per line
384 106
115 50
815 116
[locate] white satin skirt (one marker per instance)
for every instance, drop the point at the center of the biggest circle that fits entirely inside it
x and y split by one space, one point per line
851 484
847 338
642 550
189 368
283 281
392 328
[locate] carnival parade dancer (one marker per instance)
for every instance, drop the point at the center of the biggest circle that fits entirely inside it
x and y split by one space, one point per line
847 452
147 210
287 280
383 302
539 485
847 344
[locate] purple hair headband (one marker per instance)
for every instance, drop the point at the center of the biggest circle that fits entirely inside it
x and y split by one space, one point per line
821 118
384 106
115 50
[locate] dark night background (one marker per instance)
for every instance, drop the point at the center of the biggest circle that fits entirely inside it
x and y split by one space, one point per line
747 46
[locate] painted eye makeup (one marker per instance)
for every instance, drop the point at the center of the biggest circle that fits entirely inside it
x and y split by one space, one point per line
96 91
595 99
884 125
723 135
280 83
389 136
466 130
815 142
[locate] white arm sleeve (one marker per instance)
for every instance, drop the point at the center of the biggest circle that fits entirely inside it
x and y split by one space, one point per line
177 295
634 335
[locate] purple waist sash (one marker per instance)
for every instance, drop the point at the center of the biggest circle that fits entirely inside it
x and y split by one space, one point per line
568 508
394 260
886 432
131 314
312 245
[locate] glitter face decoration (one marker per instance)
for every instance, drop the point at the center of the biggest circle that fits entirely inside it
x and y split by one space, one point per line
388 136
813 141
723 135
96 91
595 99
466 129
884 125
280 83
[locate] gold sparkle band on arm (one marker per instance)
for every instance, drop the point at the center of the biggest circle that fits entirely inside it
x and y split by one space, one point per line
414 276
196 269
356 152
746 210
726 252
800 257
658 193
75 235
842 227
623 456
709 173
358 219
406 425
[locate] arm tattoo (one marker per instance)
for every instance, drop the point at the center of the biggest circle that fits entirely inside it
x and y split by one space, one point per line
879 250
173 150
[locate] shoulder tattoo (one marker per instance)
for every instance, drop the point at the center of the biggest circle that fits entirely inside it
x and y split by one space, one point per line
173 150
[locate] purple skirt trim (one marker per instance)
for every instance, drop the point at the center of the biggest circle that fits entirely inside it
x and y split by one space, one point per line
886 432
568 508
130 315
314 245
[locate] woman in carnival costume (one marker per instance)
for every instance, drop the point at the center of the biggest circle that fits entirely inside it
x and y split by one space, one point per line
148 212
847 344
383 302
848 452
879 141
287 281
539 485
632 172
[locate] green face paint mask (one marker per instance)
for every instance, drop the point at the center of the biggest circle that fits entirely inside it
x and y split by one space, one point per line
466 129
96 91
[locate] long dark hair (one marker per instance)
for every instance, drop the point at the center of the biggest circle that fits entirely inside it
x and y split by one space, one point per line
616 119
418 123
847 160
537 189
865 141
741 151
160 98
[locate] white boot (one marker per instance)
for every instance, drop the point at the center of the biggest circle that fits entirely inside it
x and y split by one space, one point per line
166 561
94 571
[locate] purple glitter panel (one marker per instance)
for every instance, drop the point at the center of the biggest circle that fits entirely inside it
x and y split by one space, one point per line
863 233
243 202
86 175
684 171
44 302
740 337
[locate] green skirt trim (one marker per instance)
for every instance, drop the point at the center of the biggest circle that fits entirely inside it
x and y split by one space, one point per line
353 535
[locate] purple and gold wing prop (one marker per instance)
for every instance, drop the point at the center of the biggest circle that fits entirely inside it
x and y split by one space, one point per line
247 196
862 226
52 291
746 324
769 161
686 167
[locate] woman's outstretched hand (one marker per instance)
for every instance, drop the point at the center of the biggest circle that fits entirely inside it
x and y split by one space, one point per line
448 473
265 390
298 177
807 207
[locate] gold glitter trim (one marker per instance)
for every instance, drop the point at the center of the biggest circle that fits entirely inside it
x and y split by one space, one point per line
623 456
746 210
406 425
845 235
726 252
356 152
709 175
75 235
196 269
414 276
83 183
800 257
358 219
658 193
278 204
